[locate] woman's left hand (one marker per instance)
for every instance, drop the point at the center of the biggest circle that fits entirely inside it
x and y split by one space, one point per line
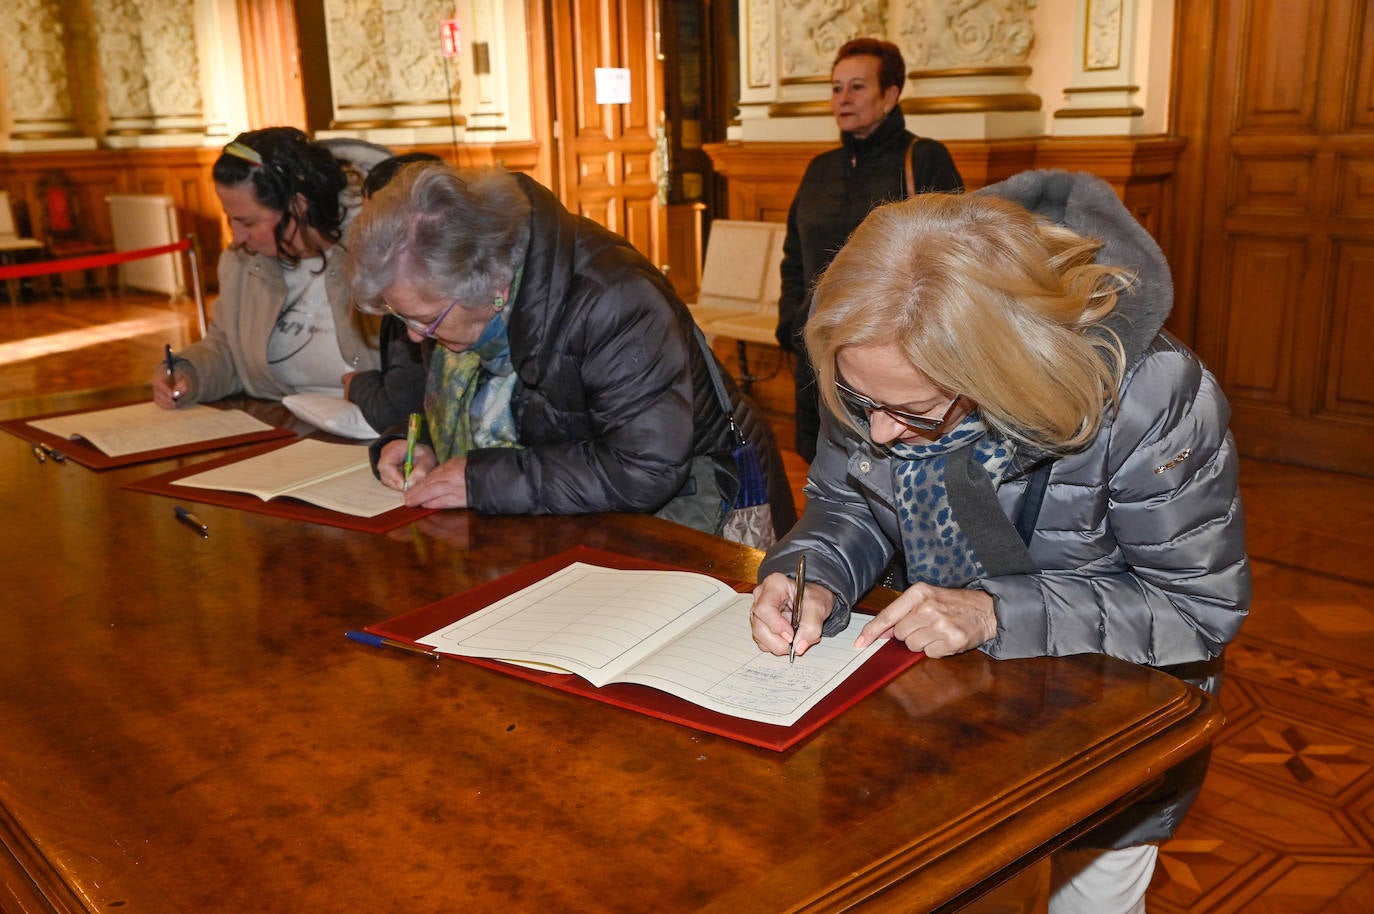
938 621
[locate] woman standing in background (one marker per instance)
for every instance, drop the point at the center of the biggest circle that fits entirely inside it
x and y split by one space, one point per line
879 161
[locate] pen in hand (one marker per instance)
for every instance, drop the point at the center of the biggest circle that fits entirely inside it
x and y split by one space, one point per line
171 373
797 607
412 435
190 520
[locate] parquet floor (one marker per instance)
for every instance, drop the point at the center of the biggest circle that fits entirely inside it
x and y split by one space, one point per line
1285 823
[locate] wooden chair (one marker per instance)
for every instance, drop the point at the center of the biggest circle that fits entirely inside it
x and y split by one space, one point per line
65 233
740 284
12 245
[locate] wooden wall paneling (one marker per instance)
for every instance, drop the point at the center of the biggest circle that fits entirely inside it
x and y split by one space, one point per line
1287 228
607 154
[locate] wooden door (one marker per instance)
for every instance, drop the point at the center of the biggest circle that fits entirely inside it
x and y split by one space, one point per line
1285 273
608 156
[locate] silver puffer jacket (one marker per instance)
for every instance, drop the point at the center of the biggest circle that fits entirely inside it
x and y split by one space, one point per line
1139 543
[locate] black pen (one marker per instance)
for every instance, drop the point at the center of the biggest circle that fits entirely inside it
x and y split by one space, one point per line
52 452
190 520
171 372
797 606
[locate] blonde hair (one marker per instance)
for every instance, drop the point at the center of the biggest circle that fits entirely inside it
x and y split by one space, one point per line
989 301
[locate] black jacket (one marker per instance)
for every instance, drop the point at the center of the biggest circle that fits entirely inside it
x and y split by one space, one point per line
839 189
614 398
388 396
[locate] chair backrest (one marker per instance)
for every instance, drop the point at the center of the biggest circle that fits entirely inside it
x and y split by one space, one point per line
7 228
742 264
61 208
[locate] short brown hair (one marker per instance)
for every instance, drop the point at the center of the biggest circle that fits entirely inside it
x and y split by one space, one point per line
891 66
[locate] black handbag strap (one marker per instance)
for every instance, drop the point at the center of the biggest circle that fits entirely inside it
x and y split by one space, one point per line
718 384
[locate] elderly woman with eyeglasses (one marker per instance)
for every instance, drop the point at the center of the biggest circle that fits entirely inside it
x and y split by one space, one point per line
283 322
1008 428
563 374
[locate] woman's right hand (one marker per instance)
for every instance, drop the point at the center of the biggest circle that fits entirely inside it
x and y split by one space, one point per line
771 615
391 464
168 391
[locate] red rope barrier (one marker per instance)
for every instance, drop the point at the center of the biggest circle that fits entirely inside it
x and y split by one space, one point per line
73 264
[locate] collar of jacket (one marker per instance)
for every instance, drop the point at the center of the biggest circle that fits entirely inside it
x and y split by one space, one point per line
890 132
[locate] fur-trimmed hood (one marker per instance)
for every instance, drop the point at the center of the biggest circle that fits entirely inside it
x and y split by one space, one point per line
1089 206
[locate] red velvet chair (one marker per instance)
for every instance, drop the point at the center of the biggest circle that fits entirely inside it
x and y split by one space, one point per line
64 231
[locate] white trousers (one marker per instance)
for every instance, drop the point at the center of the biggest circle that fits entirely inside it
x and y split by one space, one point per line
1076 882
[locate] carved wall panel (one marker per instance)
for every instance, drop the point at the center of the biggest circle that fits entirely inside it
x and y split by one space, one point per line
1282 58
1350 381
1355 186
1265 279
1272 185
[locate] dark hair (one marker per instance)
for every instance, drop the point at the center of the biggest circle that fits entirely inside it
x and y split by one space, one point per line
891 66
382 173
281 162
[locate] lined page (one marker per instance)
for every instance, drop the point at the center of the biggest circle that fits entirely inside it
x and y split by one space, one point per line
334 476
592 621
356 492
717 665
148 427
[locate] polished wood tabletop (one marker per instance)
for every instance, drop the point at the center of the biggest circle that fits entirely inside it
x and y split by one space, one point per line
184 727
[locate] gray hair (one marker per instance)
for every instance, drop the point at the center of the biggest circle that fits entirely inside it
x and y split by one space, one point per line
451 234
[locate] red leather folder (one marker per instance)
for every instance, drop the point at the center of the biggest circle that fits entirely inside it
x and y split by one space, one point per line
93 458
881 668
162 484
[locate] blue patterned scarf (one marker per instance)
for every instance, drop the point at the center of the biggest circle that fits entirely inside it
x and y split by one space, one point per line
468 395
937 552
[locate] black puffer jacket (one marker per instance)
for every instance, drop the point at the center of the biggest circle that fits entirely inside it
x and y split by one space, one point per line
839 189
614 398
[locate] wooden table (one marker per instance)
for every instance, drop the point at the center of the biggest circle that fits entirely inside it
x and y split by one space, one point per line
184 727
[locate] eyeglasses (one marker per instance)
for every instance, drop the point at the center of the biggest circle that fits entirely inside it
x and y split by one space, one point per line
862 407
420 327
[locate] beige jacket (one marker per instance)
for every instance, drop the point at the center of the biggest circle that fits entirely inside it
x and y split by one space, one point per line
232 358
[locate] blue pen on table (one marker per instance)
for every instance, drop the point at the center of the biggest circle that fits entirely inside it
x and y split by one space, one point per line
412 435
190 520
372 640
797 607
171 373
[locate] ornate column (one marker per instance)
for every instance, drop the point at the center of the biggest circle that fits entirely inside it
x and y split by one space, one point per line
147 54
392 83
968 61
1104 94
36 75
490 100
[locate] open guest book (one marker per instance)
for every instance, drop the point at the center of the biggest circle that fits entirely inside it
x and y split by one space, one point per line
141 432
307 479
605 626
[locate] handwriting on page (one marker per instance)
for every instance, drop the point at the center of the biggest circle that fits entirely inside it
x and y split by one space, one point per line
727 672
